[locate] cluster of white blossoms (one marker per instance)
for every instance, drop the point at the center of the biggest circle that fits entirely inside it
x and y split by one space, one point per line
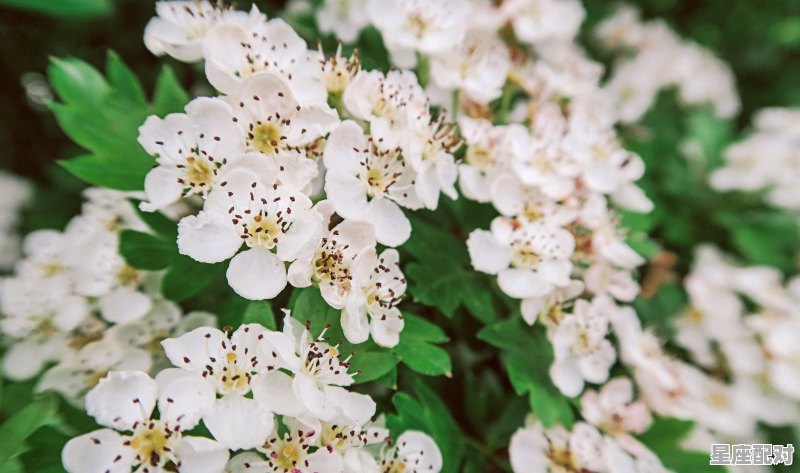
16 195
275 399
74 301
767 160
739 331
654 58
290 124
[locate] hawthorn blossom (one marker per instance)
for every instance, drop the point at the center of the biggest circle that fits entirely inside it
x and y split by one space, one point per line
613 409
78 374
328 260
231 366
377 286
582 352
124 401
192 151
534 448
488 152
343 18
415 26
312 392
413 452
235 51
275 125
368 182
529 258
180 28
271 218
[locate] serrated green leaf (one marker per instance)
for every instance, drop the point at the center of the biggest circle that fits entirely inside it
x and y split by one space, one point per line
260 312
123 80
169 96
101 172
145 251
76 82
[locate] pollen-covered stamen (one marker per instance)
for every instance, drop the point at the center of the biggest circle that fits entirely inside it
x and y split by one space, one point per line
382 294
338 71
380 169
338 438
287 454
331 264
440 137
322 361
233 366
152 441
263 216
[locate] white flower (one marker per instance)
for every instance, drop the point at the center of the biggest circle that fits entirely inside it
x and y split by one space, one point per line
265 216
539 21
234 52
344 18
378 285
581 349
556 449
512 198
549 308
279 128
414 452
290 453
478 66
76 375
614 410
231 367
530 258
329 259
191 150
428 147
367 182
488 153
411 26
388 102
313 392
180 28
125 401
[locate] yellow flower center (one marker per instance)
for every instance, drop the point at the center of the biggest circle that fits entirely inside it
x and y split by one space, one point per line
479 157
265 138
263 231
128 276
150 443
199 172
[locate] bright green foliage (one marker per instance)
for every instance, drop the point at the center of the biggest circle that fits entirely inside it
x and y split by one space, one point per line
78 9
104 116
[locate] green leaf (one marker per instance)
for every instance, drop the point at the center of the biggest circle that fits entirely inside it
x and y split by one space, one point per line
187 277
169 96
23 424
83 9
664 437
425 358
159 223
76 81
103 172
420 328
429 414
123 80
260 312
371 364
145 251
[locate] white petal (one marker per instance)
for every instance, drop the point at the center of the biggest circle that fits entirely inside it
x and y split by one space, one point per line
567 377
274 391
486 253
386 326
124 305
354 408
257 274
161 188
339 153
97 452
355 323
192 350
392 228
183 397
239 423
347 193
522 283
306 389
121 399
207 238
24 359
201 455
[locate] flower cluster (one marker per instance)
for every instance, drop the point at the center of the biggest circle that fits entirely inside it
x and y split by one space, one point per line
655 58
738 330
767 160
235 384
292 122
74 300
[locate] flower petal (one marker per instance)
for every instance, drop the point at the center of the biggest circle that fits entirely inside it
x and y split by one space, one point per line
257 274
121 399
239 423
